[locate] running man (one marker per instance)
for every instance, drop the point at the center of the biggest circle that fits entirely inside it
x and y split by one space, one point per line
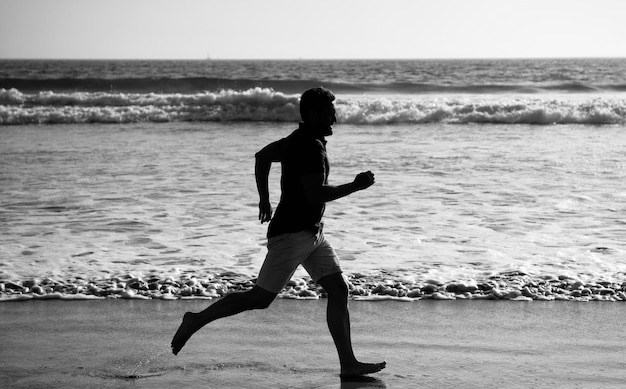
295 235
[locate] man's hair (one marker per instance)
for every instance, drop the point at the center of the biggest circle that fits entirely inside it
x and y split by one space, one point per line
315 99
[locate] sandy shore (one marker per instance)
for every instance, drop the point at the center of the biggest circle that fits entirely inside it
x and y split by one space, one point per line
427 344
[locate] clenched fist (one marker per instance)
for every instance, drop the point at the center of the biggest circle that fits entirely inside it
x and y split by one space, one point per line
364 180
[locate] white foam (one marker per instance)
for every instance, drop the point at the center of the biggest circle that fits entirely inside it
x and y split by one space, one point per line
267 105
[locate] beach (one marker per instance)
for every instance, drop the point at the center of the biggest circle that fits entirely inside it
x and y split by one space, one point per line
489 253
427 344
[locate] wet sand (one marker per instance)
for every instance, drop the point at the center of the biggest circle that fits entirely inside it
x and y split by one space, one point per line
427 344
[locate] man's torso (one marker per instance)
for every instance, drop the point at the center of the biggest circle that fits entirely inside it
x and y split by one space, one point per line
301 155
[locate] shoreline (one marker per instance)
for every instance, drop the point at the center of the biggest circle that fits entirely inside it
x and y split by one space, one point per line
506 286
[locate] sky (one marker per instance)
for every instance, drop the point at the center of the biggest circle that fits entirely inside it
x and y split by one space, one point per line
320 29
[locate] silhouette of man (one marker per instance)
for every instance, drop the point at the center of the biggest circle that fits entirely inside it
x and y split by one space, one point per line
295 233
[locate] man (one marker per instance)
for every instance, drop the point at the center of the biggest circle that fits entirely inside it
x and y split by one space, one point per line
295 235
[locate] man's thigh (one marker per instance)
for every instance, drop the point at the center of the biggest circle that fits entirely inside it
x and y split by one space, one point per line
285 253
322 261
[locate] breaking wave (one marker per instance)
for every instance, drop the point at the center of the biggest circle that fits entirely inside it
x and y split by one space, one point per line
268 105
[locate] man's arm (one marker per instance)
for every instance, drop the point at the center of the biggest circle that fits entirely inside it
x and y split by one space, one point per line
263 164
317 192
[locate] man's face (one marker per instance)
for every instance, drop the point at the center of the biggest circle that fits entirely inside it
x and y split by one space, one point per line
324 119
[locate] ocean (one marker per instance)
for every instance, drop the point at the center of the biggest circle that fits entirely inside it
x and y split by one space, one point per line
494 178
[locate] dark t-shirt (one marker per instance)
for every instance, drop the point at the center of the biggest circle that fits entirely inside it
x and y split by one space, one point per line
300 155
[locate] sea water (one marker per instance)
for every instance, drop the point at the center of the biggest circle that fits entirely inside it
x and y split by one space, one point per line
141 173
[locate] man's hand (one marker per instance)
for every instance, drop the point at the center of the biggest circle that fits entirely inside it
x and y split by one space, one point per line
364 180
265 211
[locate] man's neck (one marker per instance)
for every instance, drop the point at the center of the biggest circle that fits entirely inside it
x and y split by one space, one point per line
312 131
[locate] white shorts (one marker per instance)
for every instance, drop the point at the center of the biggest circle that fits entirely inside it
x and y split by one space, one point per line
287 251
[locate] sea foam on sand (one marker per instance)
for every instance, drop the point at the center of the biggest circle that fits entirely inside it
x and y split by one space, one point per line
383 286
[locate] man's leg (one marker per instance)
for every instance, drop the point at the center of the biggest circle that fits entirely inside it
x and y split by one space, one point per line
338 319
229 305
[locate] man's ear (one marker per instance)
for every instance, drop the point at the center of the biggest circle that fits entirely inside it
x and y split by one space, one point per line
312 115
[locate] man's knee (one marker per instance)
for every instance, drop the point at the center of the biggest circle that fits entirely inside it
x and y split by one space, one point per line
261 298
335 285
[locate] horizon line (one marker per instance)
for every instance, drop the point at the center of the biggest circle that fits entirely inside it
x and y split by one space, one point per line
303 59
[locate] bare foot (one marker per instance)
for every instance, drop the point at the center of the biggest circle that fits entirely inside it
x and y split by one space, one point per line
186 329
361 369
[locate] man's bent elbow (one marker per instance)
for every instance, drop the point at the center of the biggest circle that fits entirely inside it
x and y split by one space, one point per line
261 161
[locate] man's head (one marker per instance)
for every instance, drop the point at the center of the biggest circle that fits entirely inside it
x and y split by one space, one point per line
317 110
